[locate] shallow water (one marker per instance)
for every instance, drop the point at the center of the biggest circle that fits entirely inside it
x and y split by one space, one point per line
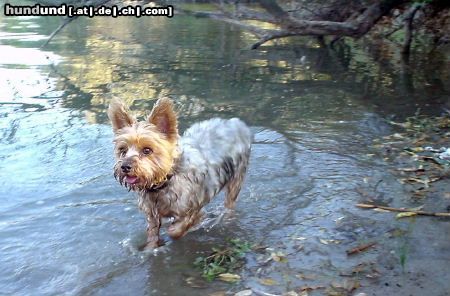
67 227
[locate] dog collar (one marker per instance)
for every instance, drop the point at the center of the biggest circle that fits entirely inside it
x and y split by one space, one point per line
157 187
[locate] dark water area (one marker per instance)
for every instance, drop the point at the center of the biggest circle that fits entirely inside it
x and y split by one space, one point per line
67 227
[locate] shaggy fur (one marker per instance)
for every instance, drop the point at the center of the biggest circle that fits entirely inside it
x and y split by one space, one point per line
176 177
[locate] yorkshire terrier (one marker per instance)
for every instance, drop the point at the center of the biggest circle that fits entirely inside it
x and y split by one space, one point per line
177 176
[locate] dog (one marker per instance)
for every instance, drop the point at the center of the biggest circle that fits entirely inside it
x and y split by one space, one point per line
175 177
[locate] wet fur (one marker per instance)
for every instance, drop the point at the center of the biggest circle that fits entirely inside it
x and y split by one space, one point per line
180 175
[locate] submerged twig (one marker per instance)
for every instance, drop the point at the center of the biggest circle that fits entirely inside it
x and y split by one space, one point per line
417 212
360 248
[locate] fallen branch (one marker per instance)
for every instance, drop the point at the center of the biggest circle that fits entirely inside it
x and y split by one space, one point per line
360 248
271 36
61 26
354 26
68 20
417 212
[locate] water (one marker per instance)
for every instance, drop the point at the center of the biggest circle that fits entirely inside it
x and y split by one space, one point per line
67 227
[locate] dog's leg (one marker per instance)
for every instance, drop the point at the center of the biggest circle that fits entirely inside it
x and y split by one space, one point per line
233 186
180 228
154 224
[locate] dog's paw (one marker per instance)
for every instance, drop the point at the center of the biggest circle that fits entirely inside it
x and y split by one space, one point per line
176 230
150 246
149 250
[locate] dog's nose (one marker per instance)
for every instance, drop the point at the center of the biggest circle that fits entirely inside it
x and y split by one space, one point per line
126 168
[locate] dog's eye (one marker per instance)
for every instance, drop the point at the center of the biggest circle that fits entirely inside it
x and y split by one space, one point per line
122 151
147 151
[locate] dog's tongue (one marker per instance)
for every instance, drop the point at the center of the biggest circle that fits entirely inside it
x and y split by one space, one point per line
131 179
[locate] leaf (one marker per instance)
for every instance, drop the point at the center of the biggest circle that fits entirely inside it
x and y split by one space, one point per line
311 288
323 241
194 282
348 285
218 293
397 136
268 282
229 277
412 169
416 149
306 276
278 257
244 293
405 214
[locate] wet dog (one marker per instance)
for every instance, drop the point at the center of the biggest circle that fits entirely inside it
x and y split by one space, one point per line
177 176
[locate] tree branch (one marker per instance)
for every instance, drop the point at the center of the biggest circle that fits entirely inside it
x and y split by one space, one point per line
272 36
54 33
68 20
354 26
403 210
409 27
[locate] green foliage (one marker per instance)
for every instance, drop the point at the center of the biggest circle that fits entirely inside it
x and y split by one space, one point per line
403 256
223 260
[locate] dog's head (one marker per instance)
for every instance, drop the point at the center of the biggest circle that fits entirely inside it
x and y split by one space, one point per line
146 150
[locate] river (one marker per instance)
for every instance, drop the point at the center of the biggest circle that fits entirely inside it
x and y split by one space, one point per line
67 227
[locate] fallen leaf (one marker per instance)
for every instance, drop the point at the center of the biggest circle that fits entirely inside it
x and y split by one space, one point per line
268 282
348 285
416 149
195 282
398 136
218 293
229 277
325 242
412 169
419 193
416 180
405 214
311 288
306 276
244 293
278 257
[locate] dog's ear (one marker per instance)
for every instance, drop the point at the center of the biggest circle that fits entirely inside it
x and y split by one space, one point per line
164 118
119 115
